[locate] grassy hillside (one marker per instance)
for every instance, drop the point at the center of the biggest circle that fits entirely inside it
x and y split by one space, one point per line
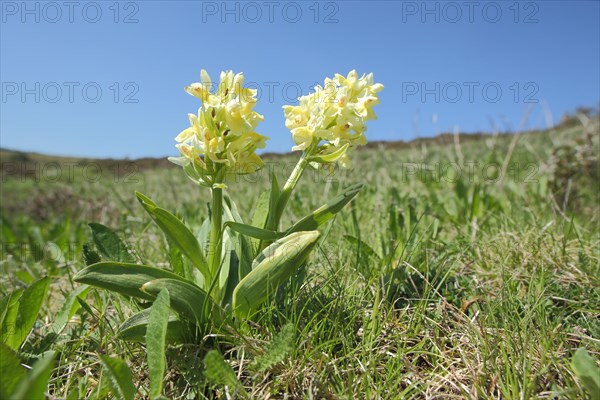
464 269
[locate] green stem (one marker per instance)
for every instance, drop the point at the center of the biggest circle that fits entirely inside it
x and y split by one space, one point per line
289 186
215 243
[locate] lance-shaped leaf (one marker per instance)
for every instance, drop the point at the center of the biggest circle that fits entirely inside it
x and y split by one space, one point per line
109 244
331 157
273 204
34 384
326 211
177 233
272 267
586 370
21 316
123 278
156 335
187 299
134 328
254 232
120 378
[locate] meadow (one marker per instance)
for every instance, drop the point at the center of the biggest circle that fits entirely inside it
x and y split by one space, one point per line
466 267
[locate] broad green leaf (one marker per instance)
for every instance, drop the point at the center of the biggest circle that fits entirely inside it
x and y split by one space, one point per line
229 275
134 328
253 232
156 342
11 371
109 245
586 370
177 233
331 157
271 268
261 209
259 217
9 309
279 347
69 308
327 211
187 299
30 303
90 256
176 260
122 278
273 204
120 378
219 373
242 245
33 385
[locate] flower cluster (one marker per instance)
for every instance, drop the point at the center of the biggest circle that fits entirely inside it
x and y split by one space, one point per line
332 120
222 137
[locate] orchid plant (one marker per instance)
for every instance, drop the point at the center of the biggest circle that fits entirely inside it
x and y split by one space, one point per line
236 265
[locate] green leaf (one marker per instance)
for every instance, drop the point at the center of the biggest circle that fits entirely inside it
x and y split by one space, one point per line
109 245
69 308
253 232
279 347
9 309
327 211
230 264
29 306
176 261
187 299
11 371
273 204
34 383
242 246
134 328
155 342
90 256
120 378
271 268
122 278
219 373
261 209
586 370
177 233
331 157
259 218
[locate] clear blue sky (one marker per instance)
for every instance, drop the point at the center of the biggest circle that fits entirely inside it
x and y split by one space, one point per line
543 56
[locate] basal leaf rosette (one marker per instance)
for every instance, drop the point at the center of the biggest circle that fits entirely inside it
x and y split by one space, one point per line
331 121
221 139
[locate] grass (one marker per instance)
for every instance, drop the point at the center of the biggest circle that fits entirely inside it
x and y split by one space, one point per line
429 286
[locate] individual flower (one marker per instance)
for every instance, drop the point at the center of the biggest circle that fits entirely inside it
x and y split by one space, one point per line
332 120
221 138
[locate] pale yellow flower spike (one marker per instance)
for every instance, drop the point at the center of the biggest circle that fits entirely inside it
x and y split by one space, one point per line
223 132
332 120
